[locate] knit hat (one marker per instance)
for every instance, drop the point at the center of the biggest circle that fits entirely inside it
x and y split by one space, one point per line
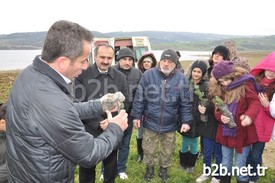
169 55
223 68
178 53
125 52
222 50
201 65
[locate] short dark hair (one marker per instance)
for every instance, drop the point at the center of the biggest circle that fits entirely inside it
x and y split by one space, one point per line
102 45
65 38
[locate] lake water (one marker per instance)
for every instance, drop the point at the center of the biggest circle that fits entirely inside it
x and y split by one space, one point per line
187 55
19 59
16 59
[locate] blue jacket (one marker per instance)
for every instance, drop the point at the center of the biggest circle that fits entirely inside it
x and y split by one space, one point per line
164 101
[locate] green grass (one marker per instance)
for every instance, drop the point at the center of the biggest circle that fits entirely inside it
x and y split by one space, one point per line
135 170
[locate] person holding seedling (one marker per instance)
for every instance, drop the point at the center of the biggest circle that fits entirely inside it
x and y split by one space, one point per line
198 86
236 88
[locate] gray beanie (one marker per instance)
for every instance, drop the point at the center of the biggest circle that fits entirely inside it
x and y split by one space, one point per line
125 52
169 55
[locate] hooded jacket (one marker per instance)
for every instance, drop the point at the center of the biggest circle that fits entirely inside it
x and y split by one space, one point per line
45 136
146 54
264 121
267 63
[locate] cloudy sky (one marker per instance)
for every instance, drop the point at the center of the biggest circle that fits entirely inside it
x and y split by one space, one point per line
234 17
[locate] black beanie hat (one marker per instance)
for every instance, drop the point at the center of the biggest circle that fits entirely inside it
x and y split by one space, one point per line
201 65
223 50
170 55
125 52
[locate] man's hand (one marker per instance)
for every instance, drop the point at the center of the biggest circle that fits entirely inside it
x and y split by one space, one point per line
136 123
121 119
184 128
2 125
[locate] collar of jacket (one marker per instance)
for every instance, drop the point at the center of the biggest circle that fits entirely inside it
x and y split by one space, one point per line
46 70
95 72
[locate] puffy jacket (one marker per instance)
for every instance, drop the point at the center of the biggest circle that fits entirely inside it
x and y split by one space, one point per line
264 124
45 136
164 101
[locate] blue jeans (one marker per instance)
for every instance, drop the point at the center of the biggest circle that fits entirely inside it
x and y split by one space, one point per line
254 158
240 160
123 152
209 147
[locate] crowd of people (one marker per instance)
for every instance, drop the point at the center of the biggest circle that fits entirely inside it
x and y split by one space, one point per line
64 112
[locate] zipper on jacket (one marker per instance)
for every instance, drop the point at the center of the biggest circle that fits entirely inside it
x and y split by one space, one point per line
162 105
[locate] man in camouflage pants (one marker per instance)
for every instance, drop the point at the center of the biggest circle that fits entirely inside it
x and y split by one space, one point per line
163 97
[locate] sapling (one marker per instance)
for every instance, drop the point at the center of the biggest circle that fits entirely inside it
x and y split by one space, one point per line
225 111
203 101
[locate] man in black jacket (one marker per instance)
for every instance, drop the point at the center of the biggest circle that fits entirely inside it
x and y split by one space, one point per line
98 80
125 63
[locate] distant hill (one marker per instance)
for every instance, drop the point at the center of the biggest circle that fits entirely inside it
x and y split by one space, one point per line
159 40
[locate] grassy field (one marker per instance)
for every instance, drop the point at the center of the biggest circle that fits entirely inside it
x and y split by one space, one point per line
136 170
252 57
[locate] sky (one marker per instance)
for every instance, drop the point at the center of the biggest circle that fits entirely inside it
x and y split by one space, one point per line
227 17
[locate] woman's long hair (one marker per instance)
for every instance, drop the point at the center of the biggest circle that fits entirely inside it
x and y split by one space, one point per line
216 89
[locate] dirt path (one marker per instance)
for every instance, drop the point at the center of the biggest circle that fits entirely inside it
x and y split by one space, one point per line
269 155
